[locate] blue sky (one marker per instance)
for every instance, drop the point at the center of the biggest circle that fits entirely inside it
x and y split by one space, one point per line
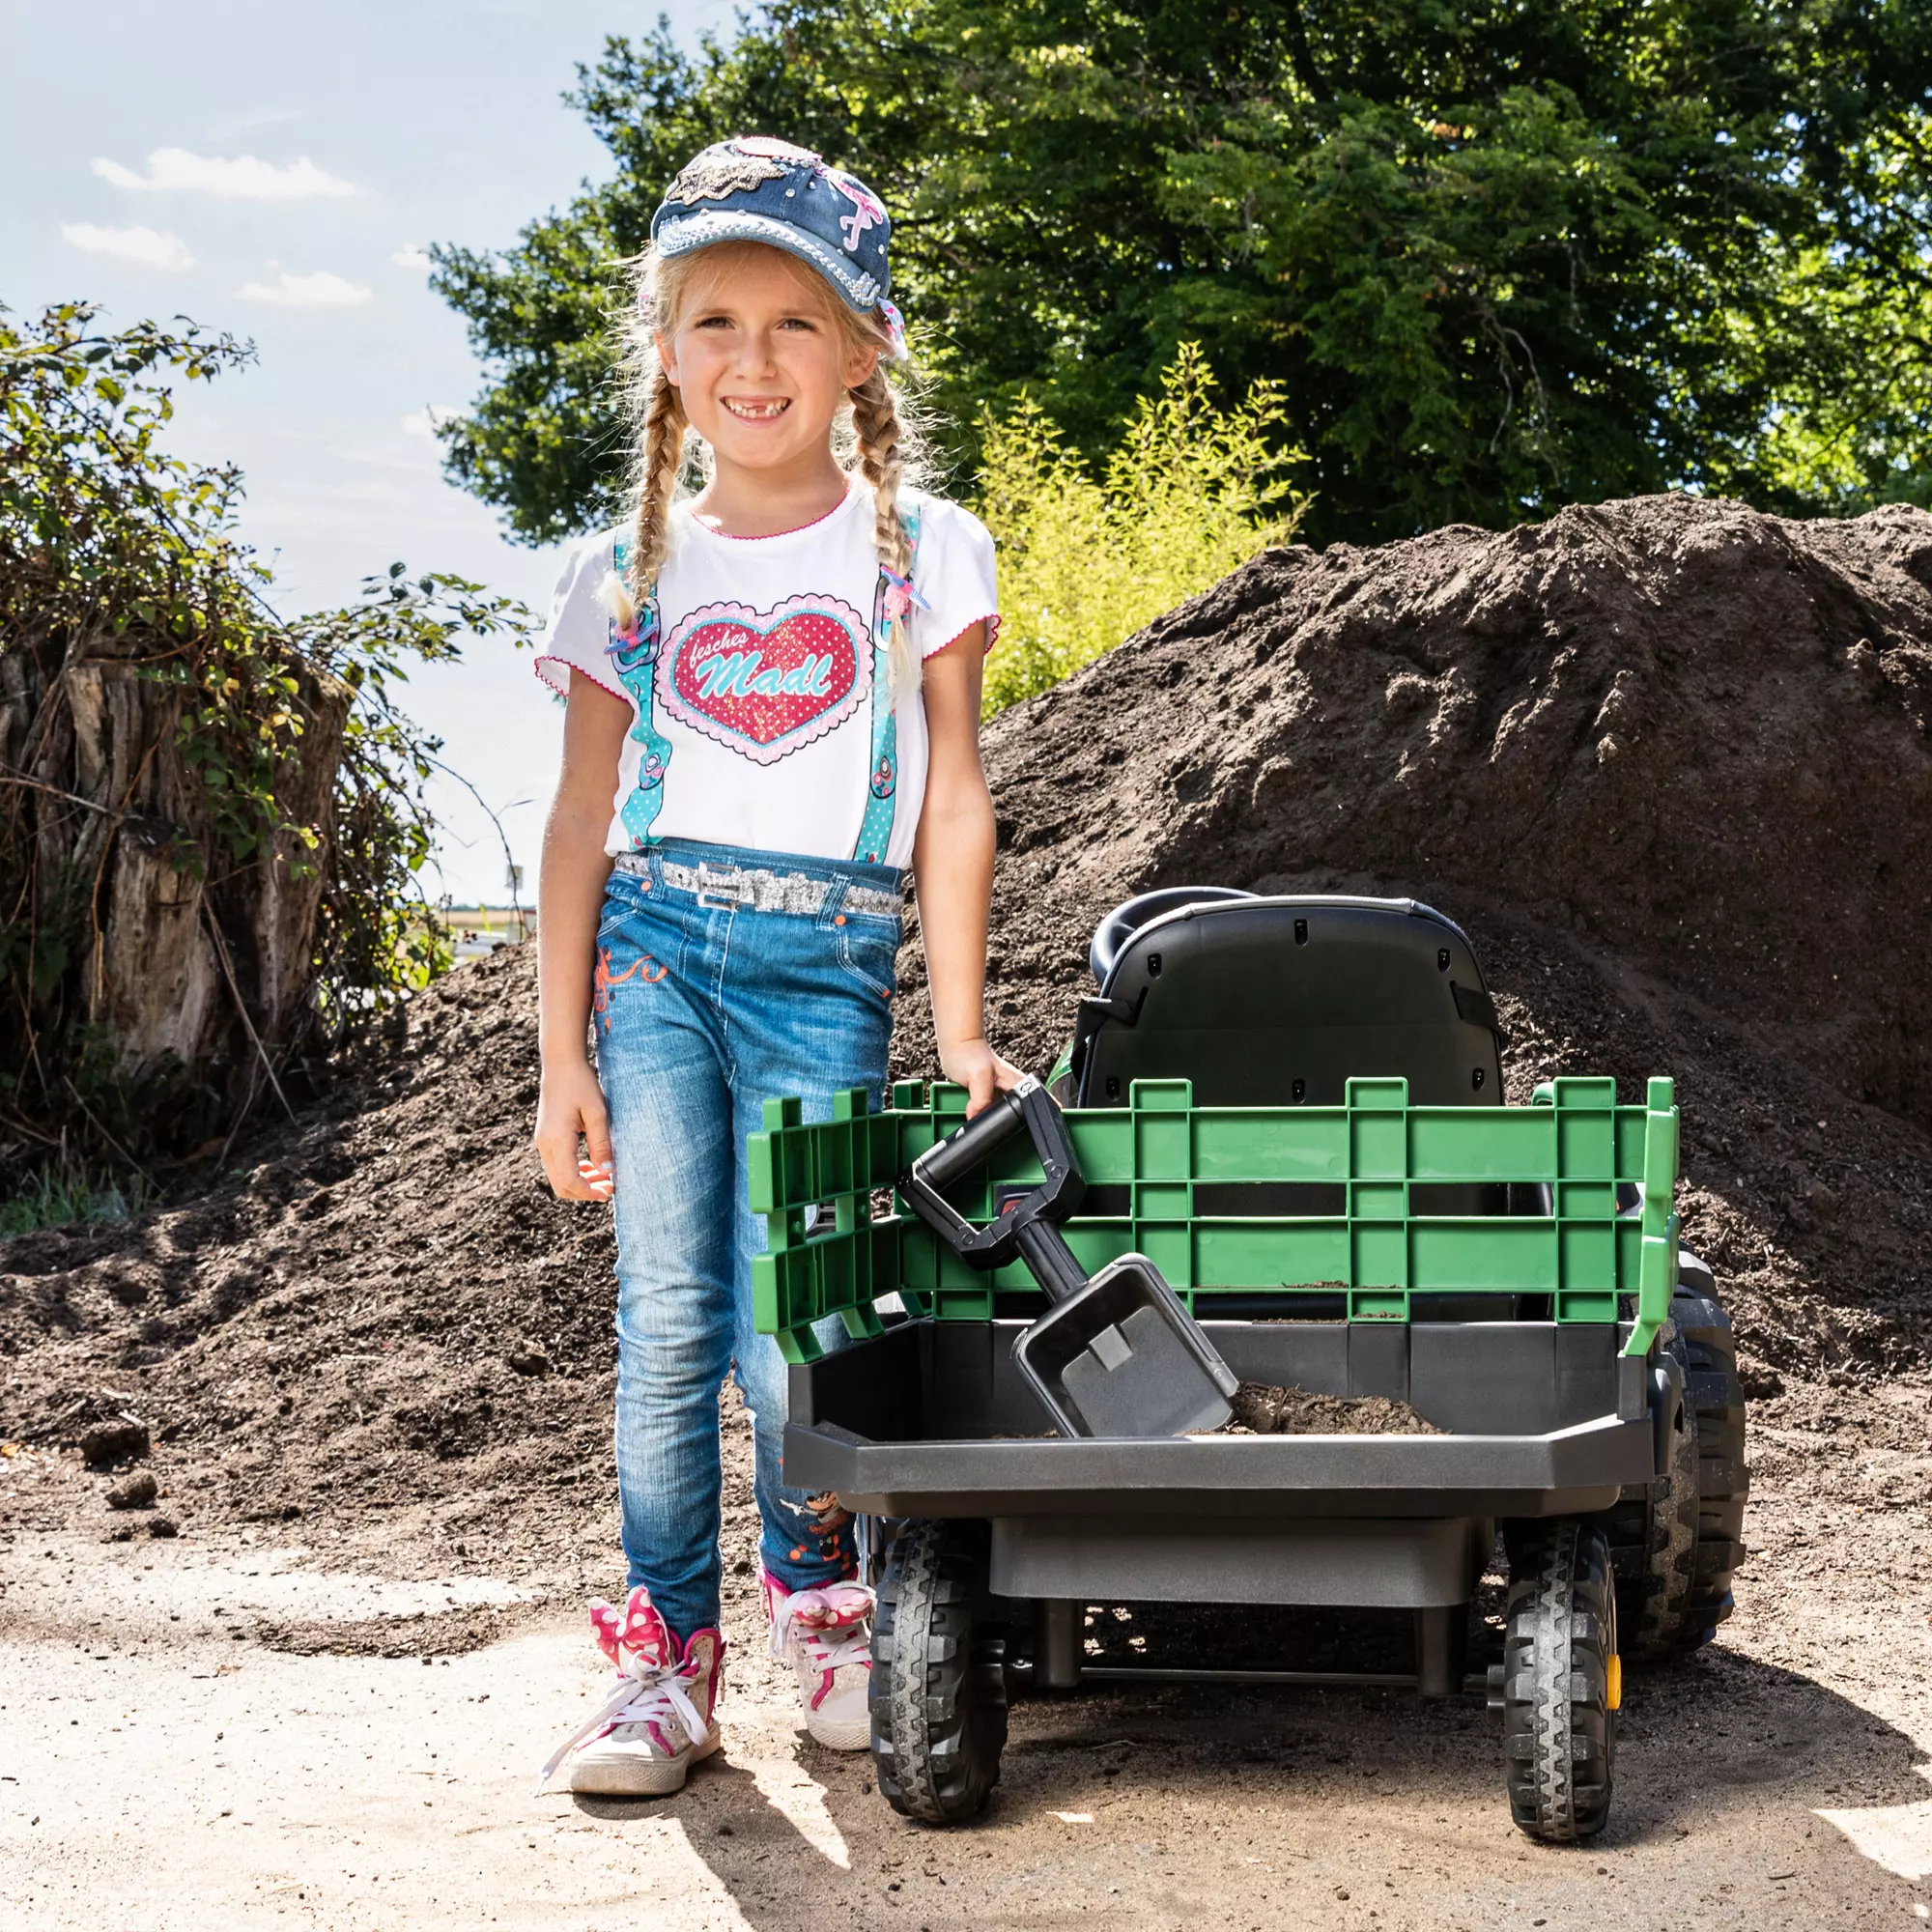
269 170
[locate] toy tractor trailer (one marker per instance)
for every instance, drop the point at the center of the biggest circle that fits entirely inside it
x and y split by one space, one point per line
1510 1274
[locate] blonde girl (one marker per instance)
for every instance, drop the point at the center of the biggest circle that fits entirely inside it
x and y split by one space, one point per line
773 711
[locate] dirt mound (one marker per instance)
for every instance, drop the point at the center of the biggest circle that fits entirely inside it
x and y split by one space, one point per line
1667 762
1693 734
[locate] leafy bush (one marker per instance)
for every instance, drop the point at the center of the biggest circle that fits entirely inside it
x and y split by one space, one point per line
211 815
1190 492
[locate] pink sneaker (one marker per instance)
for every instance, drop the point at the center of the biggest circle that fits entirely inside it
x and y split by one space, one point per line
660 1717
827 1635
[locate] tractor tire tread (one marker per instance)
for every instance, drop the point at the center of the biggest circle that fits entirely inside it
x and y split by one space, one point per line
1653 1537
1559 1733
938 1691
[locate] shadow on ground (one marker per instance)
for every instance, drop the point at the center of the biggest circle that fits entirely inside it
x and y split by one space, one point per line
1208 1805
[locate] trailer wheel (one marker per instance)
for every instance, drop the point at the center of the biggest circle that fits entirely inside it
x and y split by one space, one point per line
1654 1537
1561 1681
939 1675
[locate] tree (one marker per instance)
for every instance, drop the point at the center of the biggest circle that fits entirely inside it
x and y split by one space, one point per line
211 815
1499 255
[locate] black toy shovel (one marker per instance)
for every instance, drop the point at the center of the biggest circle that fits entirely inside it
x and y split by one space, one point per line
1116 1354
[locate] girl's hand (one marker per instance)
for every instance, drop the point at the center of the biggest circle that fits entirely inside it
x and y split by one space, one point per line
571 1103
973 1065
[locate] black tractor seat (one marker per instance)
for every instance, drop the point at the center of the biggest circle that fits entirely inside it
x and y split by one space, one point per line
1278 1001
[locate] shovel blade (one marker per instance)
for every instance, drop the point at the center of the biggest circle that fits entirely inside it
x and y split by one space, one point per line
1121 1357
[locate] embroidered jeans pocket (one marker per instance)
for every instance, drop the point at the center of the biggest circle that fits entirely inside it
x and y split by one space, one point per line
630 951
868 949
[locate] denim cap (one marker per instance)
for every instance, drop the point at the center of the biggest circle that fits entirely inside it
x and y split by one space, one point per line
758 190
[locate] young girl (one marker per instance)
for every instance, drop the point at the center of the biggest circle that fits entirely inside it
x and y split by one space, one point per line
773 702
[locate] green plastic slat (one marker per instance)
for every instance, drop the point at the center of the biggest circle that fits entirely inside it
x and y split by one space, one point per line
1481 1143
1572 1139
1657 1268
1280 1144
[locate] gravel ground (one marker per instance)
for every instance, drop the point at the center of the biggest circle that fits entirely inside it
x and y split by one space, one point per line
177 1765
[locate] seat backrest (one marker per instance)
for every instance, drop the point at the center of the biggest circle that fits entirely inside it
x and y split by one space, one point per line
1267 1001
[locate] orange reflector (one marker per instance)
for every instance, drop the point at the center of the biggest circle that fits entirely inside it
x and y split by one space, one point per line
1614 1683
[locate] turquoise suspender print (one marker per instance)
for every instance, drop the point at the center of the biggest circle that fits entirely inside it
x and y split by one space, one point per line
634 656
875 832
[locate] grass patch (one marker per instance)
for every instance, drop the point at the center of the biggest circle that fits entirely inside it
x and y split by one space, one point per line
68 1197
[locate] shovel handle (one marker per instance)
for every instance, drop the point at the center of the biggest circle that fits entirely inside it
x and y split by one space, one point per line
995 1124
1029 1110
1054 1265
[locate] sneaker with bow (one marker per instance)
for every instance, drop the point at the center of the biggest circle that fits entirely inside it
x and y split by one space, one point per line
827 1636
660 1717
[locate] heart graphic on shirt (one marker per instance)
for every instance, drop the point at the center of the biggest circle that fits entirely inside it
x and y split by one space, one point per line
765 682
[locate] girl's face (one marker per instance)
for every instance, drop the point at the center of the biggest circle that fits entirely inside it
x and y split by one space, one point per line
761 362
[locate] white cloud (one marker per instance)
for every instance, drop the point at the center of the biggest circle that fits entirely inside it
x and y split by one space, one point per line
410 255
138 247
320 289
242 179
425 421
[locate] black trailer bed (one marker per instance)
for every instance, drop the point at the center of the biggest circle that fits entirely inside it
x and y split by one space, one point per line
931 1419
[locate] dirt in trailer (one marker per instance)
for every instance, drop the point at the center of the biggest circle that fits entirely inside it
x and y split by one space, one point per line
1261 1410
1665 760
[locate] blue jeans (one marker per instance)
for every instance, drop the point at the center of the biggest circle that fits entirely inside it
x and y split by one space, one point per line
703 1010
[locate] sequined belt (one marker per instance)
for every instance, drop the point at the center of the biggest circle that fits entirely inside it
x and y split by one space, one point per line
761 889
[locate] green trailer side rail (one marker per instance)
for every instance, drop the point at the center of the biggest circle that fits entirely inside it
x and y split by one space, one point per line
1382 1249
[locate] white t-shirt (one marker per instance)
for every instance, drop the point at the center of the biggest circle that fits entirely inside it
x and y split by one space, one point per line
761 731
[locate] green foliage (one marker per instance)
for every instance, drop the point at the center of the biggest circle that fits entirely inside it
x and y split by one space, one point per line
1868 439
1499 256
378 937
1190 492
118 563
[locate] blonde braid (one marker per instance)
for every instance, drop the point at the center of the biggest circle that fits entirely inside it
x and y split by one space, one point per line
875 423
663 460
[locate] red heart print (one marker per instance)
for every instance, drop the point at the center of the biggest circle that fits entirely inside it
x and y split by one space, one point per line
765 682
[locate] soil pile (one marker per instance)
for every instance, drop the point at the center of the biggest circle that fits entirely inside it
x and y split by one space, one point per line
1691 733
1667 762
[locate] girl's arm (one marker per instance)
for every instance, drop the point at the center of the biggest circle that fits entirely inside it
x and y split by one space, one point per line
570 904
952 871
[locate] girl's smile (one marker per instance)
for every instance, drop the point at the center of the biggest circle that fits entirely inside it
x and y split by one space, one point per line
756 408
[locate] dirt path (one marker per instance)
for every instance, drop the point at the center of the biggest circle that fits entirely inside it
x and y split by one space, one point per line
170 1769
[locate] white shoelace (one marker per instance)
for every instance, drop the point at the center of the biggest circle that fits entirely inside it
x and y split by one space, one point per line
828 1650
638 1697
